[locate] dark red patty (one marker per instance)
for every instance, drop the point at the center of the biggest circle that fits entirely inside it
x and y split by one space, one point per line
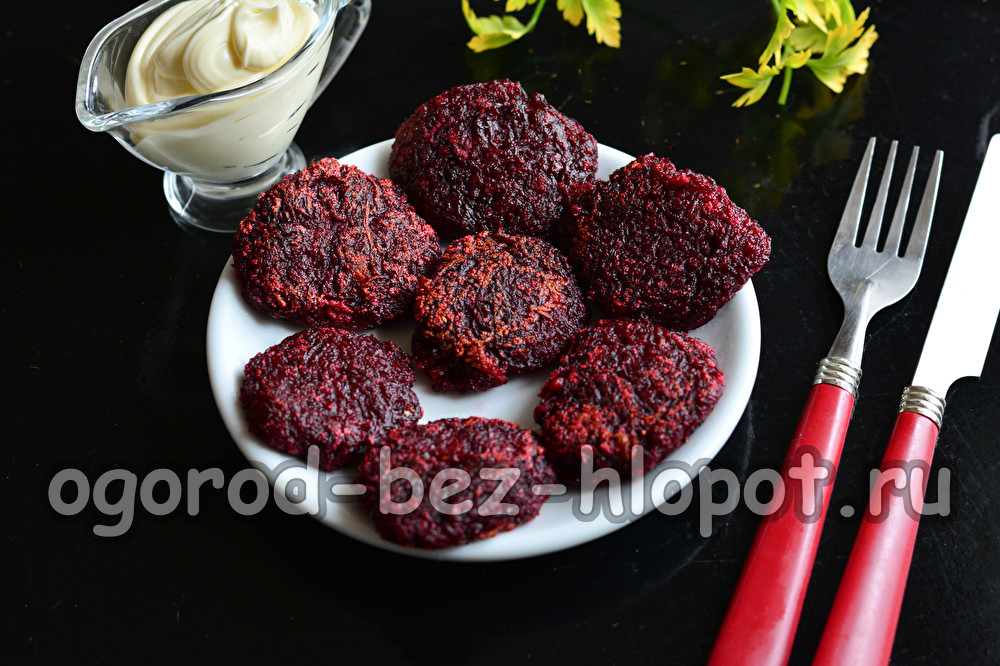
331 388
497 306
625 383
333 246
485 156
435 518
664 244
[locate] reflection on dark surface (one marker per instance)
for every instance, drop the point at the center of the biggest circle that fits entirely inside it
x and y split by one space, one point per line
770 147
470 607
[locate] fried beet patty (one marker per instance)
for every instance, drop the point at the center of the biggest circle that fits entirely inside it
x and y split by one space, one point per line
496 306
661 243
333 246
330 388
625 383
486 156
476 479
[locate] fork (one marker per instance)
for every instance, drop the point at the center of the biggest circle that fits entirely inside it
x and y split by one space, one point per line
760 623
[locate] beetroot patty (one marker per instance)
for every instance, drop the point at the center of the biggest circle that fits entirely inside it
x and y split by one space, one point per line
664 244
333 246
625 383
482 456
330 388
485 156
497 306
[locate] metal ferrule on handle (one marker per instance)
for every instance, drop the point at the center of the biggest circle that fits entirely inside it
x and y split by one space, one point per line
924 401
840 372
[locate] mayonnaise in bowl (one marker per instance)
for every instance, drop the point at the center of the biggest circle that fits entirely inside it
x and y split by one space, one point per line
200 47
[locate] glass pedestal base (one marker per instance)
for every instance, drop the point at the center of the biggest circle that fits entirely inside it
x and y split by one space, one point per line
220 207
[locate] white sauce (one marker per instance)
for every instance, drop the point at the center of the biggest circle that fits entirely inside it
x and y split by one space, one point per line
205 46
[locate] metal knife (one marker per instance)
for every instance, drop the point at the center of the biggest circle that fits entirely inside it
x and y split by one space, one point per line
862 622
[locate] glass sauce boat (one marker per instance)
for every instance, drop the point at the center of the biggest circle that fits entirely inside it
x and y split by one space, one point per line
219 150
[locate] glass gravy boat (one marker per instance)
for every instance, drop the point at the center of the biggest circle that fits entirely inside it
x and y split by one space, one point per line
219 150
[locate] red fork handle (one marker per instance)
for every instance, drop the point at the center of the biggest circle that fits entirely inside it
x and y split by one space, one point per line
862 623
764 612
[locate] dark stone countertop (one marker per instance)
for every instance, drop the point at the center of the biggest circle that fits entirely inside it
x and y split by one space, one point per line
104 311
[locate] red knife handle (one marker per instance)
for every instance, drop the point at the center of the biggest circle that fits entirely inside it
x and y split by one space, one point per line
760 624
862 623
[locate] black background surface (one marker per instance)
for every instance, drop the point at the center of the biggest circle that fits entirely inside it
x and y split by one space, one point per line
105 303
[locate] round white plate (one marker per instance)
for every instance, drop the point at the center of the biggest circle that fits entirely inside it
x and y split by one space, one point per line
236 333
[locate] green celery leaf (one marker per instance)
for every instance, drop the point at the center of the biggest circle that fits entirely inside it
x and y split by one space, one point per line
782 31
602 20
572 11
808 11
796 59
808 38
834 67
471 19
517 5
492 31
824 35
756 83
858 25
842 11
505 24
492 40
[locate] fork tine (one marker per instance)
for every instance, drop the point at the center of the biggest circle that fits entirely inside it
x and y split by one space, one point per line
875 221
847 232
922 227
899 216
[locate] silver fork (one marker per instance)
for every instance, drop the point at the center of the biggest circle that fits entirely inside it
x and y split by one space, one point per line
867 279
763 615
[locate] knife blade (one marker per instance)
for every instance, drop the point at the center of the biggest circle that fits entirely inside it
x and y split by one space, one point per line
865 612
963 321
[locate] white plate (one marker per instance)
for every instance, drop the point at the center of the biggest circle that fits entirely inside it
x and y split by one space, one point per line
236 333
